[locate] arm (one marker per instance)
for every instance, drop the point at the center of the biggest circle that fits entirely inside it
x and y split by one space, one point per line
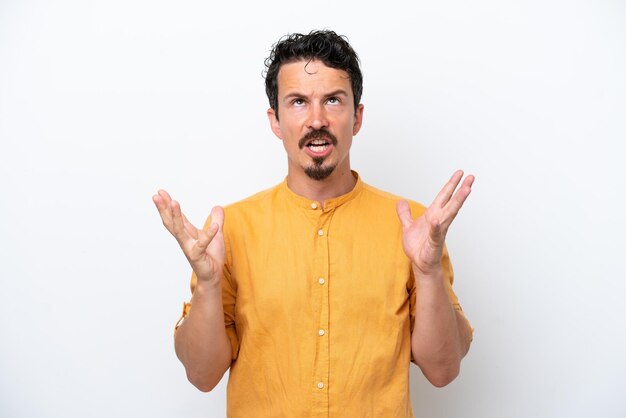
441 335
201 342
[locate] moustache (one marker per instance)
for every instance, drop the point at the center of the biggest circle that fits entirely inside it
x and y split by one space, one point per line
317 134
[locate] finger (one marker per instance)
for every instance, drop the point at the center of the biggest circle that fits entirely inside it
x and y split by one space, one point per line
446 192
204 239
191 230
162 200
454 205
158 202
164 211
164 197
178 226
404 213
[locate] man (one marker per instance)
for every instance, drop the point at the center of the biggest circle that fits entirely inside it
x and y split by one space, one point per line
317 293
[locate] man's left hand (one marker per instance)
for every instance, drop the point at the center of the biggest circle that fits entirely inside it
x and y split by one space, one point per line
423 238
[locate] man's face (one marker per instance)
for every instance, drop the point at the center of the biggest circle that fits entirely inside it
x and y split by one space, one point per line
316 118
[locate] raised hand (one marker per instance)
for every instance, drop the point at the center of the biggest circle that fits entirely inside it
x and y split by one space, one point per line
423 238
204 249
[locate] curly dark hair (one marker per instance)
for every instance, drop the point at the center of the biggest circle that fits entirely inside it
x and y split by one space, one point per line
323 45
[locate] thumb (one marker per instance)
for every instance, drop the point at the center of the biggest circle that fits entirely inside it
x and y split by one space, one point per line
217 218
404 213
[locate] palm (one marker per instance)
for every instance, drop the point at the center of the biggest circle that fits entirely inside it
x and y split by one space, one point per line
204 249
423 238
424 250
207 263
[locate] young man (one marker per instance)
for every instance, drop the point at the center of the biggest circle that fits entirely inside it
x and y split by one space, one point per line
317 293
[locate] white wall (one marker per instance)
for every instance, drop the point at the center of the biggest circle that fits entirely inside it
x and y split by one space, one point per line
104 102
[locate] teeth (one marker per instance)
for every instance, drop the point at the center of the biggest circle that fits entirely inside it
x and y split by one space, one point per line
318 142
320 148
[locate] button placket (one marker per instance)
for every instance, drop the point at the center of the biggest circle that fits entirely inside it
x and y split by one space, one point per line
322 356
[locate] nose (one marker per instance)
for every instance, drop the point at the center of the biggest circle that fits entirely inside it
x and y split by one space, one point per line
317 117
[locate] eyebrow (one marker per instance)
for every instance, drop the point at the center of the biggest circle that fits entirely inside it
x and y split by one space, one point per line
295 94
338 92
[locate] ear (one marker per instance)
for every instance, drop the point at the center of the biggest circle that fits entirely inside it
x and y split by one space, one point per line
358 120
274 124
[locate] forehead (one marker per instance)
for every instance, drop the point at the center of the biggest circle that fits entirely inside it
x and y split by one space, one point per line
308 77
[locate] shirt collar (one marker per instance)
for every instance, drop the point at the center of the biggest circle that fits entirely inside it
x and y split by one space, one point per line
329 204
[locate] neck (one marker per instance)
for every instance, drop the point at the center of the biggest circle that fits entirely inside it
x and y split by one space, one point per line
339 182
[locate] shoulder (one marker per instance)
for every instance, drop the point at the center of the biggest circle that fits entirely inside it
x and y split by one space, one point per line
257 200
250 213
381 198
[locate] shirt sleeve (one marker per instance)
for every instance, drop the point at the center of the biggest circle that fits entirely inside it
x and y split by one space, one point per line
229 296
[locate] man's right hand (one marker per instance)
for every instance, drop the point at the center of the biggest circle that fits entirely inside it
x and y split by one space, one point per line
204 249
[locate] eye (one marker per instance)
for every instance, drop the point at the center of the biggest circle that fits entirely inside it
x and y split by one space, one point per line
297 102
333 100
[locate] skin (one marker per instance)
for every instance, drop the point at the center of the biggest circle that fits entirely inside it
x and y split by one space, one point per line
201 342
441 335
312 96
315 97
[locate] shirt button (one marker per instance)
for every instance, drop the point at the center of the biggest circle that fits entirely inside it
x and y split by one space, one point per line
320 385
320 232
321 332
313 205
321 280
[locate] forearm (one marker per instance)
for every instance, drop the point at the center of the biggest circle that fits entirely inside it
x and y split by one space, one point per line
441 335
201 342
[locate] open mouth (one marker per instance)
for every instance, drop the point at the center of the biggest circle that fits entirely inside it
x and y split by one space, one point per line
318 145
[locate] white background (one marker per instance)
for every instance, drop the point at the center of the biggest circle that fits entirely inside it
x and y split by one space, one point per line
104 102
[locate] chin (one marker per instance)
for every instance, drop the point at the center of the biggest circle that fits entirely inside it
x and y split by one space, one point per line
319 172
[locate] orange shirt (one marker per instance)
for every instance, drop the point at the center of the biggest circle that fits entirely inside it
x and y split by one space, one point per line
319 305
